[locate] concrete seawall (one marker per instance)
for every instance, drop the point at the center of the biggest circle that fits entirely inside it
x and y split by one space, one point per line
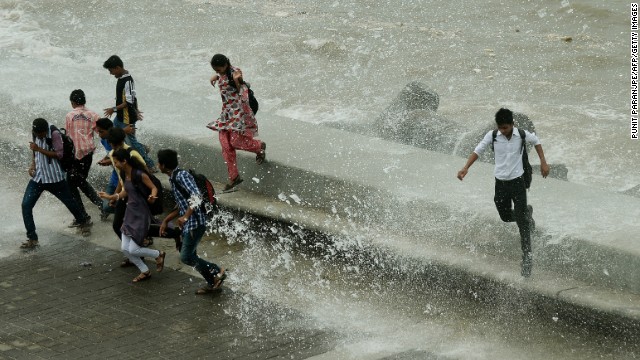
407 201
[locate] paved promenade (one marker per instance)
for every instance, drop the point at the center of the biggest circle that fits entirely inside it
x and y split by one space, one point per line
54 305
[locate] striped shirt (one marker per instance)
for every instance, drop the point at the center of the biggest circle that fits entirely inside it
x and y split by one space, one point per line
188 183
48 170
81 124
126 93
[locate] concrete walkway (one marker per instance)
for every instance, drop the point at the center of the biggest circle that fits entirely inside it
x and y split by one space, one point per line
54 307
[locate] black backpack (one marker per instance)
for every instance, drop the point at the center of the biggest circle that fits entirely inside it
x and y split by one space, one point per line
253 102
68 150
528 170
209 204
136 178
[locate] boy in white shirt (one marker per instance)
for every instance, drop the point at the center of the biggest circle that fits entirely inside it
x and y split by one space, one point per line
511 189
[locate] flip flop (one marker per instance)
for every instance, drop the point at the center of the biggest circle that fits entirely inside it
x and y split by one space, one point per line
219 279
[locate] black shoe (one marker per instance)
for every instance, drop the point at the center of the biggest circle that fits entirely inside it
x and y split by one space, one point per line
75 224
527 264
532 223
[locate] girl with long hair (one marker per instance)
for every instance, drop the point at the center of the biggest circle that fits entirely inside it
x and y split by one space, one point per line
236 125
137 217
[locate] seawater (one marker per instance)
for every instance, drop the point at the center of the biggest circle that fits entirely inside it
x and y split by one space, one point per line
563 63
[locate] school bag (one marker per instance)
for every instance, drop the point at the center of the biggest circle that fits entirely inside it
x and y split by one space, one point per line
253 102
68 149
209 203
136 178
528 170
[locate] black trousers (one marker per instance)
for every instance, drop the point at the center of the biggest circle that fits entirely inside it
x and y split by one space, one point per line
511 201
77 179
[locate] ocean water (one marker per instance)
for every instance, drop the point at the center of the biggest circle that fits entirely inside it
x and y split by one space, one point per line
563 63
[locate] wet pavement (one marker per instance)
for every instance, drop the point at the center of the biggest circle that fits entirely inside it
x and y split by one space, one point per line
69 299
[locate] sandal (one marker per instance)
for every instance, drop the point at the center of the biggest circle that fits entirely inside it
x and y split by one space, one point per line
29 244
160 261
205 290
219 279
262 155
142 277
237 181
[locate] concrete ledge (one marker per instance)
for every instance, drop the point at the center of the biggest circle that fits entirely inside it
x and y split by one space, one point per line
583 233
407 201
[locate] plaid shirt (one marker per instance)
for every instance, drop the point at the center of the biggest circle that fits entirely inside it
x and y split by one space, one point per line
188 183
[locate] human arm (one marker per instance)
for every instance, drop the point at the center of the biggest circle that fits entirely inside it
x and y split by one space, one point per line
120 193
213 79
463 172
58 150
172 215
109 111
544 167
533 139
146 180
486 141
32 168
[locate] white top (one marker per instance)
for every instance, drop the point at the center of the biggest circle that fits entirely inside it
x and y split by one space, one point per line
507 153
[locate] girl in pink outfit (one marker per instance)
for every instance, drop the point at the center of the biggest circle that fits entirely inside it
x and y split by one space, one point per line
237 124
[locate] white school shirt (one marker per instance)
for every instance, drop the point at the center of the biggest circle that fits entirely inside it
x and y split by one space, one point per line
507 153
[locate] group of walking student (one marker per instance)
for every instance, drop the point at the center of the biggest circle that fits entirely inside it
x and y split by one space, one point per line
132 189
62 160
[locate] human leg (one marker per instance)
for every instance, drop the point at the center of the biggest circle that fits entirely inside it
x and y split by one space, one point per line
521 213
63 193
169 233
83 184
125 247
133 142
110 189
245 142
503 201
137 253
228 153
31 195
189 256
118 216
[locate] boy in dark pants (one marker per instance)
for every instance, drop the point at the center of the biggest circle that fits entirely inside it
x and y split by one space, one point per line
191 218
47 175
81 124
510 186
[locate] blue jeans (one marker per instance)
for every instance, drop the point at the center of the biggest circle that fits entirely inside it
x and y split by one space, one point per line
111 189
189 256
133 142
61 191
